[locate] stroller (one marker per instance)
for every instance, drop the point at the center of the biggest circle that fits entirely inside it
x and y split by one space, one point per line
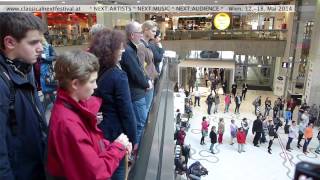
196 170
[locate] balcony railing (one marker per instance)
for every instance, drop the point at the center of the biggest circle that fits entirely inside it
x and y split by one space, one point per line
227 34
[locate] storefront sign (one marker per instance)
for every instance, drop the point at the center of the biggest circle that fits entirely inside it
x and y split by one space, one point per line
147 8
221 21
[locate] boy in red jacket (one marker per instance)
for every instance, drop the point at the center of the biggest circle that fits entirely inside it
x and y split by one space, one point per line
241 138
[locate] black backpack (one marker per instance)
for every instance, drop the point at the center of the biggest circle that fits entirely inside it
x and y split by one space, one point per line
12 121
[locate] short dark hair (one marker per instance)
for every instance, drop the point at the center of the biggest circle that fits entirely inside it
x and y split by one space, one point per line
17 25
105 45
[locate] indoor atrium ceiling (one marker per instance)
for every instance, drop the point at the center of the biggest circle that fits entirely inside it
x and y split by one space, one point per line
142 2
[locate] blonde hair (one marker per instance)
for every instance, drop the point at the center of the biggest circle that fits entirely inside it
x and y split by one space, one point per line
147 25
75 65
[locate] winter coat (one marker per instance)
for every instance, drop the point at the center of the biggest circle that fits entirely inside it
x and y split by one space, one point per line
213 137
130 63
257 126
76 147
22 154
204 126
241 137
233 130
217 100
117 110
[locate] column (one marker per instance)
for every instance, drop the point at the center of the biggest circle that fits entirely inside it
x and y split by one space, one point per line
312 83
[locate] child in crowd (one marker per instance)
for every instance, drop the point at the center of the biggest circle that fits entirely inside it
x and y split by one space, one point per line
213 138
241 139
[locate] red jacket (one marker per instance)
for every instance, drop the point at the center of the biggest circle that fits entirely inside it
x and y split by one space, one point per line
181 137
204 125
241 137
76 148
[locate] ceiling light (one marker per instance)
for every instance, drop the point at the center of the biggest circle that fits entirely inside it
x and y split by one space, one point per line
138 2
216 2
63 2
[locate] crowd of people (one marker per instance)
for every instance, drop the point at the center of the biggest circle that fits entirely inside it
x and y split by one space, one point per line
269 118
101 98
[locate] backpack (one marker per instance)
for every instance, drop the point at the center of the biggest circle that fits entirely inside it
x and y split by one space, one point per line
286 129
12 121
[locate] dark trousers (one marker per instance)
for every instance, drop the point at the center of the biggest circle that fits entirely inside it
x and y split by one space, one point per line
195 100
209 108
263 138
256 138
289 142
270 143
300 138
236 110
306 143
244 95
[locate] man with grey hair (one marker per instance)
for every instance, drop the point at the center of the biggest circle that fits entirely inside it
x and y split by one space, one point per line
138 82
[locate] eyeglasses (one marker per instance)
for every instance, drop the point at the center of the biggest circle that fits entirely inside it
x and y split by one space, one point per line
137 32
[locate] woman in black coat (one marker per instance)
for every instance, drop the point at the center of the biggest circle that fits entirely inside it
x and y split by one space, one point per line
113 88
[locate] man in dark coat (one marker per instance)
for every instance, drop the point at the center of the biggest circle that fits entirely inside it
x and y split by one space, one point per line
257 130
23 127
138 82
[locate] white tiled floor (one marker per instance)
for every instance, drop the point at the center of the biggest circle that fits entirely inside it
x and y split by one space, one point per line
255 163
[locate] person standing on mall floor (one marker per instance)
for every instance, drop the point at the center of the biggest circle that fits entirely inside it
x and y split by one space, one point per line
244 90
238 101
293 134
216 103
224 87
113 89
73 124
213 138
221 73
221 128
288 116
265 131
204 129
276 107
257 129
302 127
196 98
318 148
181 136
313 112
214 83
257 105
233 131
241 139
234 89
308 134
23 128
138 82
227 102
267 106
291 104
245 125
210 100
206 78
272 133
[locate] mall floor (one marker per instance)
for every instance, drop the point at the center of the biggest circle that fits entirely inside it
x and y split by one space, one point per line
255 163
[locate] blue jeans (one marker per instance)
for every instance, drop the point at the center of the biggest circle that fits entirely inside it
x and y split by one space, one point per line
306 143
119 174
149 98
140 111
